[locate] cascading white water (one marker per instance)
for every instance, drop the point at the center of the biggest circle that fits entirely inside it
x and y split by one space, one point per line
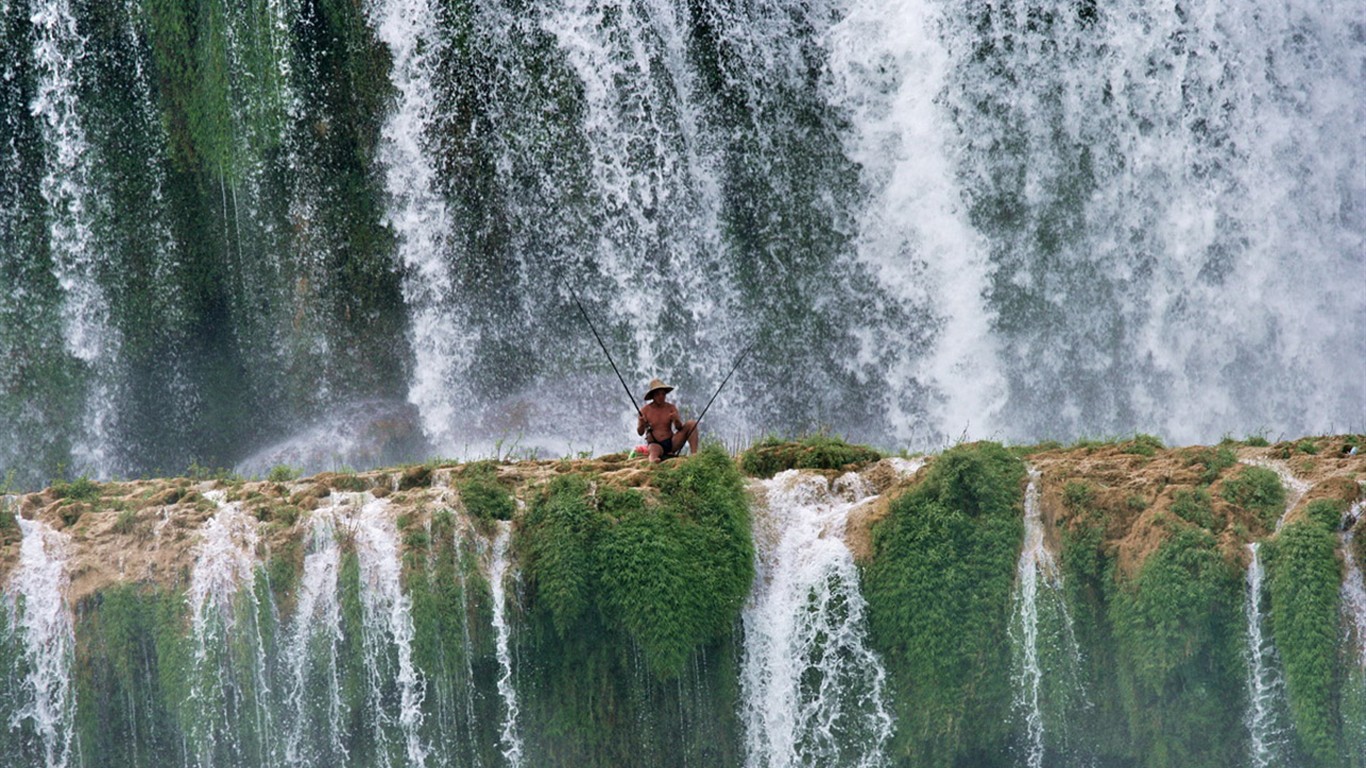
1036 563
509 737
68 186
1265 684
1353 584
230 684
812 691
396 686
313 687
1295 488
1180 161
41 623
418 213
653 164
888 67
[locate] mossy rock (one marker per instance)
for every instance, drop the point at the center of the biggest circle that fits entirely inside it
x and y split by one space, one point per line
771 455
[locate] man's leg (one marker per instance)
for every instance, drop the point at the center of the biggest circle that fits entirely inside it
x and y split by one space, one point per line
656 452
689 433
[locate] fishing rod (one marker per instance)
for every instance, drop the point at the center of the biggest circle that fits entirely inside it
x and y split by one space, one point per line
584 312
743 355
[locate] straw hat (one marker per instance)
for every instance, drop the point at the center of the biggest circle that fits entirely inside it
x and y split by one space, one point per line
657 384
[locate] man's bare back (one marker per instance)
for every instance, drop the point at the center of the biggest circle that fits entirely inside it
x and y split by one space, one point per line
660 418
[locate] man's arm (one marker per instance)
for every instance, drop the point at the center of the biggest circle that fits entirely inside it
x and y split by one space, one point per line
675 421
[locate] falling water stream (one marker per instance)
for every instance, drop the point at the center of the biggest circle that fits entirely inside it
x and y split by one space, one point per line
1265 683
1046 657
396 687
233 721
41 622
313 701
813 692
509 735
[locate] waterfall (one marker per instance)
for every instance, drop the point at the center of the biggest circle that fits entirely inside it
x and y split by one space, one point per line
1265 685
387 637
1295 488
1175 160
41 623
888 70
68 186
1353 584
653 163
812 691
231 717
312 696
509 736
1037 568
417 212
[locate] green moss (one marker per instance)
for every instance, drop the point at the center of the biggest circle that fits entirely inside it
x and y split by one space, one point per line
1143 445
1304 584
1177 630
1215 461
771 455
1194 507
484 497
1258 490
671 573
283 473
939 589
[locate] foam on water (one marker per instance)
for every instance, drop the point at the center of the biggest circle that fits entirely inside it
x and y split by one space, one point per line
396 687
1265 683
310 654
805 620
509 736
41 622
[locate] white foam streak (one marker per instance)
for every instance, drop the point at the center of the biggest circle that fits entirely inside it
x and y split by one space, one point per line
68 186
220 594
417 211
1265 686
1354 584
388 629
805 620
888 66
1035 562
313 640
508 736
41 621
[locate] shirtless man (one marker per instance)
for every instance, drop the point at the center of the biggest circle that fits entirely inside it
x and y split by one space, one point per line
660 418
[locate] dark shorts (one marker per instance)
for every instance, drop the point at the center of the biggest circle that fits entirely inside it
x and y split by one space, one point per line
667 445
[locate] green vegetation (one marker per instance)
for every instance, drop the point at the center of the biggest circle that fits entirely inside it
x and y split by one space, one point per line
629 610
1177 627
938 590
771 455
1194 507
483 496
1143 445
283 473
672 573
80 489
1215 461
1304 583
1259 490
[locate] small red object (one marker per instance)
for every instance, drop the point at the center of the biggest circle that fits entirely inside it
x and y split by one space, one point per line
643 449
